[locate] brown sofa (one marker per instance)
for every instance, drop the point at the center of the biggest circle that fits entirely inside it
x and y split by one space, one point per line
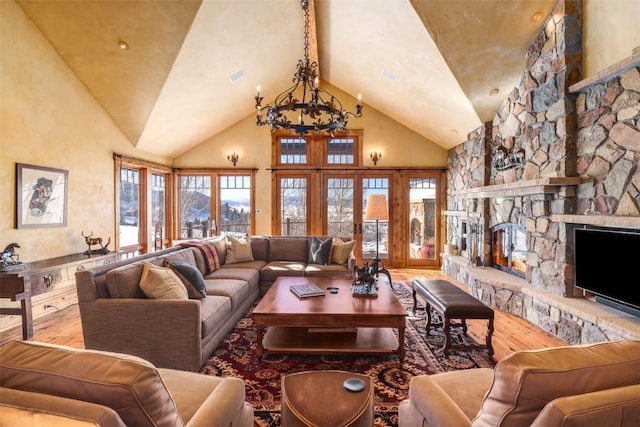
49 385
584 385
117 316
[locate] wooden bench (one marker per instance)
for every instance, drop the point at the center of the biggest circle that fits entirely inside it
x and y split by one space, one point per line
452 303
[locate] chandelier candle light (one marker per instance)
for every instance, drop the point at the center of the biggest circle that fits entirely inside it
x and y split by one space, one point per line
318 110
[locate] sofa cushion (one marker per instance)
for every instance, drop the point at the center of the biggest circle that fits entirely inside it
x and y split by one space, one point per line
214 311
524 382
341 250
129 385
24 408
275 269
251 275
329 270
319 251
236 290
123 281
161 283
260 247
238 250
295 249
190 277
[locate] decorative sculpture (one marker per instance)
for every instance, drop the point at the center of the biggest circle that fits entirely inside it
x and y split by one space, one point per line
93 241
10 258
363 284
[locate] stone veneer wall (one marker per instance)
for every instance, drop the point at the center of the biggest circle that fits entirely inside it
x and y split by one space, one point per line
609 146
592 134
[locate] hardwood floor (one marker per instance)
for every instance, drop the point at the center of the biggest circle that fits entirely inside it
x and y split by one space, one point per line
511 332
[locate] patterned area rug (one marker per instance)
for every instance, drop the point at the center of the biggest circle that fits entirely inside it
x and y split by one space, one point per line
236 357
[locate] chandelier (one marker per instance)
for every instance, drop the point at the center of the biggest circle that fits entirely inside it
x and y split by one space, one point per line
318 110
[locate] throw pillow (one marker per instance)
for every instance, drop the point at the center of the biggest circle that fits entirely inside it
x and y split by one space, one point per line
319 251
238 250
340 250
161 283
191 278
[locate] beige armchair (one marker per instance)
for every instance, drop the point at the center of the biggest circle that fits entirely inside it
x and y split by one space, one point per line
595 384
44 384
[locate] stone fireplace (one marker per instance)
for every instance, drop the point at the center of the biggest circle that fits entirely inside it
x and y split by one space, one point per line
560 153
509 248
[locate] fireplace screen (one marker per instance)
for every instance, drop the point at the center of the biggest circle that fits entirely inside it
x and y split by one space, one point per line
509 249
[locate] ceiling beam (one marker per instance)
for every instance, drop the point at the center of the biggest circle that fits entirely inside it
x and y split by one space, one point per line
313 37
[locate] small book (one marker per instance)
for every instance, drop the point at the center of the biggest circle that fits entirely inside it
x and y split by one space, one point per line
307 290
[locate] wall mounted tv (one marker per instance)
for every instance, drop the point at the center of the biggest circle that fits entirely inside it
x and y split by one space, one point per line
607 264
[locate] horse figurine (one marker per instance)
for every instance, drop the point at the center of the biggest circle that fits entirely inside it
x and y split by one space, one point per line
10 257
364 277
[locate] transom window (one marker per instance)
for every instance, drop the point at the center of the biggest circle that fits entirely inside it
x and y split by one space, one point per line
293 151
341 151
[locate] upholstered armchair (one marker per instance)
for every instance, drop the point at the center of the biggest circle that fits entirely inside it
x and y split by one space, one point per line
595 384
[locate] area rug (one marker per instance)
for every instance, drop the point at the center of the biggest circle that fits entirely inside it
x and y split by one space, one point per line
262 376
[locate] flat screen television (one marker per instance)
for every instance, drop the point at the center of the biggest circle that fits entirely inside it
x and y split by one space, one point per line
607 264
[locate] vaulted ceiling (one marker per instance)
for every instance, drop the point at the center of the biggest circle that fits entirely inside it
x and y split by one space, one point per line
192 66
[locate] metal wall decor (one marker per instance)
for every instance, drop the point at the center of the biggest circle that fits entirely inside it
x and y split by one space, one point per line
504 159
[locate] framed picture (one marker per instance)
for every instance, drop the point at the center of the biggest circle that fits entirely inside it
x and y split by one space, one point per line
41 196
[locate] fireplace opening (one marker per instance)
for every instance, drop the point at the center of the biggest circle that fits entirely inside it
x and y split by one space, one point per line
509 248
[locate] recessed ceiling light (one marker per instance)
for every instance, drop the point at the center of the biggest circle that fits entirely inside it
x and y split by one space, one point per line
123 45
494 91
454 132
536 17
389 74
237 76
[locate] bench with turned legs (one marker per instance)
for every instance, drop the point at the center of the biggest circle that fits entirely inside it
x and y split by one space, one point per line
452 303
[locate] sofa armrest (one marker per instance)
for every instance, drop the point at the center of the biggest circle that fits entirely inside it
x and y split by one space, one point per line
167 333
616 406
222 406
434 404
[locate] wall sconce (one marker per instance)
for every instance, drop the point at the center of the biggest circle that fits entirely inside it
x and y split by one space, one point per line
233 158
375 156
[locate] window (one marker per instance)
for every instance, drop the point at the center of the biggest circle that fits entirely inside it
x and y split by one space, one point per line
235 204
293 206
194 192
129 229
293 151
317 149
341 151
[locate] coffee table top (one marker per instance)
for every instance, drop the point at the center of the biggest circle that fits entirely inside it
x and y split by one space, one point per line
281 301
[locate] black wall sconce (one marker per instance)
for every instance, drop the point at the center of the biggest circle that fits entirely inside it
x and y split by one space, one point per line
375 156
233 158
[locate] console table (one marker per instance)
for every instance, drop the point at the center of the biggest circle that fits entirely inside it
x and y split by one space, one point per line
42 277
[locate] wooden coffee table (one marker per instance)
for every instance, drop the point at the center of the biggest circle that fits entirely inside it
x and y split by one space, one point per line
330 324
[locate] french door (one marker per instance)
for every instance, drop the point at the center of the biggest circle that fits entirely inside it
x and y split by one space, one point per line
422 198
344 206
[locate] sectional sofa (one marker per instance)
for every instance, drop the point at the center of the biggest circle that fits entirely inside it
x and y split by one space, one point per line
181 333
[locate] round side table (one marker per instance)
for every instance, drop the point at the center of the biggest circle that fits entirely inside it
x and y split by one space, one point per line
318 398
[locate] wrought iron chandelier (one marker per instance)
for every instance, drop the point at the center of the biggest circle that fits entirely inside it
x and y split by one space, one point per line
318 110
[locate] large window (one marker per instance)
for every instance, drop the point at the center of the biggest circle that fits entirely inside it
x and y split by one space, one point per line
215 202
194 193
143 208
129 207
293 206
235 204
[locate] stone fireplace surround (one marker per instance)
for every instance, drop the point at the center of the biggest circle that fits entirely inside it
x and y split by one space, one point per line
580 143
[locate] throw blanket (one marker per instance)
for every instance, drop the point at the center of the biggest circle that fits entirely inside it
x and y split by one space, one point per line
212 262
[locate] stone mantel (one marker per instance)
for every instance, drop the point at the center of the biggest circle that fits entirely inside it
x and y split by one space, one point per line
549 185
542 307
630 222
608 73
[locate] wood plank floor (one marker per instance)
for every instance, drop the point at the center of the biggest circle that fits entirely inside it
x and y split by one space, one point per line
511 332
